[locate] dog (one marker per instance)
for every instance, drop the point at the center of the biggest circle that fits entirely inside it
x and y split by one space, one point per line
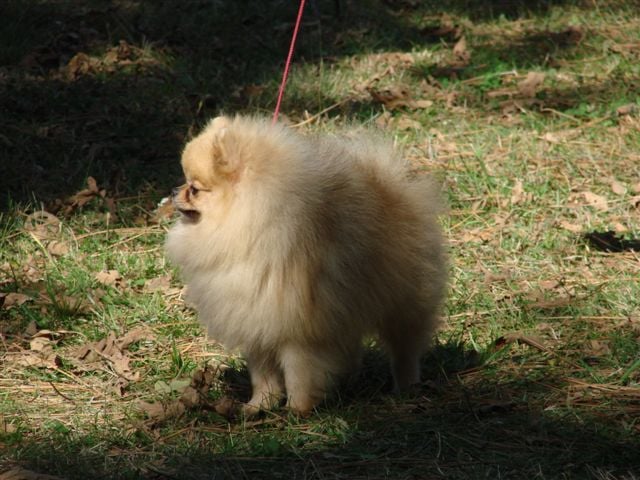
294 248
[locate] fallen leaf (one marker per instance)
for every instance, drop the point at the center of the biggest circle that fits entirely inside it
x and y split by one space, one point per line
14 299
159 411
518 337
548 284
85 196
108 277
162 387
42 225
572 227
164 211
45 359
558 302
135 335
618 188
158 284
460 50
226 406
636 187
620 228
6 427
31 329
397 96
529 86
598 348
40 344
406 123
477 235
445 30
120 364
629 109
597 201
190 397
110 351
517 192
58 248
19 473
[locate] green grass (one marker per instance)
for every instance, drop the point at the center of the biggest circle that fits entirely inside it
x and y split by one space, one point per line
535 372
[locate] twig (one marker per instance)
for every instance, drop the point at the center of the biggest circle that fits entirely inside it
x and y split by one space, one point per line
61 394
322 112
124 231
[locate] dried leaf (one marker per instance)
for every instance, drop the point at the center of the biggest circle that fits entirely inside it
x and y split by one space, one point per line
92 185
190 397
529 86
397 96
133 336
597 201
460 50
164 211
23 474
406 123
6 427
159 411
58 248
629 109
42 225
46 359
120 365
110 350
517 337
478 235
38 218
445 30
572 227
14 299
618 188
548 284
40 344
517 192
84 196
158 284
31 329
108 277
598 348
620 228
562 301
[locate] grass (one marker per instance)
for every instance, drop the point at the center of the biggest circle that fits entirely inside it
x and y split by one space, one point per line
536 371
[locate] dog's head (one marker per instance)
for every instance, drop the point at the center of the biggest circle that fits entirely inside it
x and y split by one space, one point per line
211 164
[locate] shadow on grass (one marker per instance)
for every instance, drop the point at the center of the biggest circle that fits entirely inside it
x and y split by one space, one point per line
124 117
75 104
460 424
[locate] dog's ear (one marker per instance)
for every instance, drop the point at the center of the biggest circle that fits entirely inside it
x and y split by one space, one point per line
227 152
219 122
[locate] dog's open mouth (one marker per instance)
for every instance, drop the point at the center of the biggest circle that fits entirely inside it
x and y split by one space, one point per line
191 215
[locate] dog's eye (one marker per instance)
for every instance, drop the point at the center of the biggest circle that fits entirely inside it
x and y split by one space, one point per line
193 190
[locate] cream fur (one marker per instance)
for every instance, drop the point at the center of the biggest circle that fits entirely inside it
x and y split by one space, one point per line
300 246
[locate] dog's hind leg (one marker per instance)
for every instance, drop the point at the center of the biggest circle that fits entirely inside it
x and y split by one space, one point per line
307 376
266 383
406 337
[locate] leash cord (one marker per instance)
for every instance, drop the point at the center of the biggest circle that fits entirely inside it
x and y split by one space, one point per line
288 62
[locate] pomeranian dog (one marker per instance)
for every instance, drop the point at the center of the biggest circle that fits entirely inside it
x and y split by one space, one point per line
294 248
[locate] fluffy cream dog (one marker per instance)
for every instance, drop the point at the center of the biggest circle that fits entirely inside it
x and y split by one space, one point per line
295 248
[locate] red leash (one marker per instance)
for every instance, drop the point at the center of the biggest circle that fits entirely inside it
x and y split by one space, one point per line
288 62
